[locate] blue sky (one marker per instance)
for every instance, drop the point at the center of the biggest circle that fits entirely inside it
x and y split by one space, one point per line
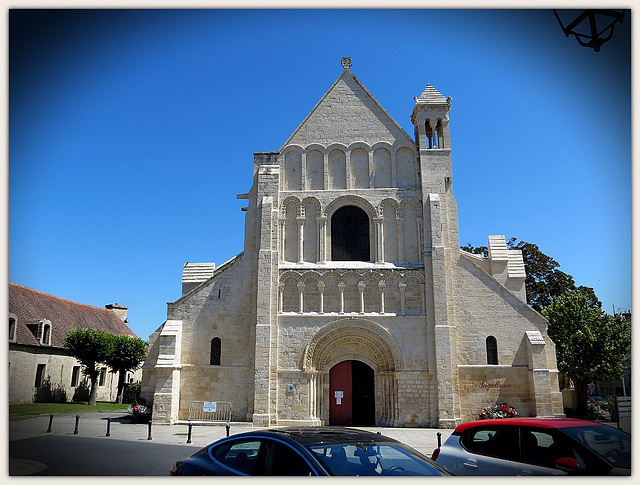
132 132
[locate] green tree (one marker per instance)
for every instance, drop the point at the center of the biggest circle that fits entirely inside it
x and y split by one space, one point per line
544 281
91 347
590 344
127 353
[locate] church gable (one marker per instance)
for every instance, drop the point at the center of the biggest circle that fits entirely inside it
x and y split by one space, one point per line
347 114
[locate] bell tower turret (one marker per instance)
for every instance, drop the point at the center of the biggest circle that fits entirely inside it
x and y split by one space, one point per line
430 118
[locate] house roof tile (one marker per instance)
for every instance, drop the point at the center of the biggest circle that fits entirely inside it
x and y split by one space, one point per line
31 307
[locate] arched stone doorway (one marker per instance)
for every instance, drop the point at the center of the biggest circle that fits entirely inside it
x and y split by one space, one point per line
352 394
373 348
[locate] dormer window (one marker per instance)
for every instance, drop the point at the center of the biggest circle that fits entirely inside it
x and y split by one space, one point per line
46 334
41 331
12 329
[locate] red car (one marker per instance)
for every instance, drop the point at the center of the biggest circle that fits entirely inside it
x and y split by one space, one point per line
535 446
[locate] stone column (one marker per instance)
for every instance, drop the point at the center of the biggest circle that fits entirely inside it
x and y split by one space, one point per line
341 286
361 286
322 233
402 287
282 226
300 221
381 286
321 290
393 169
303 171
301 296
379 257
420 224
400 231
325 170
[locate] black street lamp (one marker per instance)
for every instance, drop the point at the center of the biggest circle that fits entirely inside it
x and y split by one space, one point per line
588 35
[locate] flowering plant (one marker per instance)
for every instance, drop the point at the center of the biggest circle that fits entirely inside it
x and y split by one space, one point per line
139 413
496 411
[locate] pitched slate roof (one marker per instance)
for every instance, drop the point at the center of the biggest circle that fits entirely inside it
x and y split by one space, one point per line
431 95
32 306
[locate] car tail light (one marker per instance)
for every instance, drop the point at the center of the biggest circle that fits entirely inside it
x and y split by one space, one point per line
435 454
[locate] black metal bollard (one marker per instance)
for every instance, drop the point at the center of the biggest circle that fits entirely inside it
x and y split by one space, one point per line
108 427
439 435
227 429
149 437
50 423
75 431
189 435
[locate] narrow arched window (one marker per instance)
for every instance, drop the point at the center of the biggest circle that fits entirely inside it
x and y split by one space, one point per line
429 133
46 334
12 329
439 137
492 350
215 351
350 234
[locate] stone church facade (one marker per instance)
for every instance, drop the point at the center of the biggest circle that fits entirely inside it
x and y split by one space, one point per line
352 302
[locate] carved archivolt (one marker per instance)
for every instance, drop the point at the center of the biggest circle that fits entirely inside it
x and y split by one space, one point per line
360 202
352 332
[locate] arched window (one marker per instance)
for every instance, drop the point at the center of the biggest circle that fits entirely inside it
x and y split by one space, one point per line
439 135
350 234
46 334
429 133
12 329
215 351
492 350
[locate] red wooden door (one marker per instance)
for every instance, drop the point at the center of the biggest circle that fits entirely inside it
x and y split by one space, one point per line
340 394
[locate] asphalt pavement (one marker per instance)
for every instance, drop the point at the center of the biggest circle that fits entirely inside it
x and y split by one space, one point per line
115 426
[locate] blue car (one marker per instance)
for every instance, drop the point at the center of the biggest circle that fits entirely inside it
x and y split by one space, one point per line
308 451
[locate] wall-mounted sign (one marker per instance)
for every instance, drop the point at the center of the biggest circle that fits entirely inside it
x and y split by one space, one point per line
291 388
339 394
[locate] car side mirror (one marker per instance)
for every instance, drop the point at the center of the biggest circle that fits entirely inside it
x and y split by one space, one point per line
569 465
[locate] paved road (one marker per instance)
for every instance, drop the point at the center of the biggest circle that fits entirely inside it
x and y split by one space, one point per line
34 450
58 455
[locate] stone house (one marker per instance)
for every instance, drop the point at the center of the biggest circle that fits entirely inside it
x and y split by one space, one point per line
38 325
352 302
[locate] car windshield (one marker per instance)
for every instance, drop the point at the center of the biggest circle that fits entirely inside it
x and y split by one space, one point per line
610 443
374 460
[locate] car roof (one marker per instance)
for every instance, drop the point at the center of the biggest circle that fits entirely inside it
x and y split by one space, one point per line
538 422
318 435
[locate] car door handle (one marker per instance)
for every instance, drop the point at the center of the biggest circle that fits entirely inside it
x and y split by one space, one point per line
470 464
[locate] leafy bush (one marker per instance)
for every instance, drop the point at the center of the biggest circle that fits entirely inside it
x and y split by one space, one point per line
496 411
131 394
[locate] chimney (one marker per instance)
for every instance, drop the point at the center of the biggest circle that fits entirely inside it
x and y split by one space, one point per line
119 310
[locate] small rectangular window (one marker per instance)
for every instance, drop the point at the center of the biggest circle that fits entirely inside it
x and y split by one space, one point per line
75 376
103 375
40 374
